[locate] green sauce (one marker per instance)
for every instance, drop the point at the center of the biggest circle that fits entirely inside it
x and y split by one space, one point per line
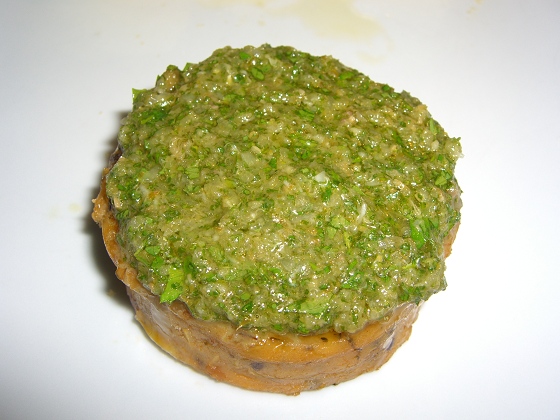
283 191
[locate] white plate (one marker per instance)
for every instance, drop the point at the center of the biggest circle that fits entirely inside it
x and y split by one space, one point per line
486 348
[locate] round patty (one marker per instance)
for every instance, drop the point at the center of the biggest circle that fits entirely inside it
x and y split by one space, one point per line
278 218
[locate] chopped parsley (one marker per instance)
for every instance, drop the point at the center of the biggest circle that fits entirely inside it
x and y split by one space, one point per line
283 191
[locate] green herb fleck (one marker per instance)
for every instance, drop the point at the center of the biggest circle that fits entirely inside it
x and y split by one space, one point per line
433 127
305 114
346 75
257 74
192 172
152 250
174 286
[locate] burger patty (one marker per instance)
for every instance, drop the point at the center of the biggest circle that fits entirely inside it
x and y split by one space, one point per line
279 218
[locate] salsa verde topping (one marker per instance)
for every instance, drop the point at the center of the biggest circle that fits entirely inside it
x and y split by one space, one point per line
282 191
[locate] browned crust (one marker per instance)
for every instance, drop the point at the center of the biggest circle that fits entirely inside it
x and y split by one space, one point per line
269 362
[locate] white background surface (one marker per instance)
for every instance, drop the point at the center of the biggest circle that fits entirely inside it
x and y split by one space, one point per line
489 70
